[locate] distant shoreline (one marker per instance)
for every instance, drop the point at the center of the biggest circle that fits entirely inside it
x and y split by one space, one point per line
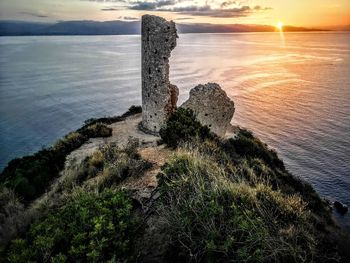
119 27
202 33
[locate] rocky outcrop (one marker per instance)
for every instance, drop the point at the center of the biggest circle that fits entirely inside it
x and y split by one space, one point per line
159 97
211 106
340 207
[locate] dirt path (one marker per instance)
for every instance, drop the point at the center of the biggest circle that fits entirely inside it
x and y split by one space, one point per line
121 133
157 155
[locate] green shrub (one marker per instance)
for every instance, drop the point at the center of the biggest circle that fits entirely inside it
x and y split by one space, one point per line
245 144
132 111
91 227
183 126
97 130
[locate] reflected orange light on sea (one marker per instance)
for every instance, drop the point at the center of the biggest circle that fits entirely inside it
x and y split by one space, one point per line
279 27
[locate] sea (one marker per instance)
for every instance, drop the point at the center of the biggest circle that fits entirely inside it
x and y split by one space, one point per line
291 89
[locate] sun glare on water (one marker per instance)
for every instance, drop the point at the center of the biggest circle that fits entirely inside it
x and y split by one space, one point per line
279 26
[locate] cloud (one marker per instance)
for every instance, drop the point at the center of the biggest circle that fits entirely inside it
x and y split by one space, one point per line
208 11
40 15
110 9
105 1
228 3
212 8
129 18
150 6
259 8
183 18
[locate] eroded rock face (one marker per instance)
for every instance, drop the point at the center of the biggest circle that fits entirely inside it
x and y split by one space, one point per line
212 107
159 97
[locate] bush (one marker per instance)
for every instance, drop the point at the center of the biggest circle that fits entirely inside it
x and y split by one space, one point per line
91 227
97 130
245 144
132 111
183 126
69 143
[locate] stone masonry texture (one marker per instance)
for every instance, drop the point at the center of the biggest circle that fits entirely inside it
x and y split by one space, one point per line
159 97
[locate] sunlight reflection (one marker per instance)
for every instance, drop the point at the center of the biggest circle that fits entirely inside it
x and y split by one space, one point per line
280 29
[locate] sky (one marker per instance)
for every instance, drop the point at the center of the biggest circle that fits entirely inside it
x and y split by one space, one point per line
307 13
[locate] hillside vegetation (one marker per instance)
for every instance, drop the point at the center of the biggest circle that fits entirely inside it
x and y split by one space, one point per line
216 201
29 176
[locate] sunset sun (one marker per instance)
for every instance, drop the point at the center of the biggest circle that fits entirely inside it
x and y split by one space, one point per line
279 26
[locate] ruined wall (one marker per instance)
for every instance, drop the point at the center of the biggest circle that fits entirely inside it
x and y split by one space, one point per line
159 97
211 106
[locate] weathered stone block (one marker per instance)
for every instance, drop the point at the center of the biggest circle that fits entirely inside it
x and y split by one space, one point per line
211 106
159 97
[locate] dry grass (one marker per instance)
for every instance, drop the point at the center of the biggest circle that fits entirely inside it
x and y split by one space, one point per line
232 214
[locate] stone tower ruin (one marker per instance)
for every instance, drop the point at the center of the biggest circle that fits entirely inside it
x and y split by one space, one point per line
159 97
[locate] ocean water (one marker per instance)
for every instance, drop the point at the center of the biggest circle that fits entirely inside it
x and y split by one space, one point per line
292 90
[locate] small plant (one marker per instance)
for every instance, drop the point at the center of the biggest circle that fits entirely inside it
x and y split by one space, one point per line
91 227
110 164
183 126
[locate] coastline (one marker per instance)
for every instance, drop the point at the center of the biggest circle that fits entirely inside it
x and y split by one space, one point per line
124 126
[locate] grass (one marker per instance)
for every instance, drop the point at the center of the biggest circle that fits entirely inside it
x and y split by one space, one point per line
110 165
257 159
214 216
234 200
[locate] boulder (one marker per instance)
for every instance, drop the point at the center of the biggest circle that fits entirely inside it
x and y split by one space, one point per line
211 106
340 207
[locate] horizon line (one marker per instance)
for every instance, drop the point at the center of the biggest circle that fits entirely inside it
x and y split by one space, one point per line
177 22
